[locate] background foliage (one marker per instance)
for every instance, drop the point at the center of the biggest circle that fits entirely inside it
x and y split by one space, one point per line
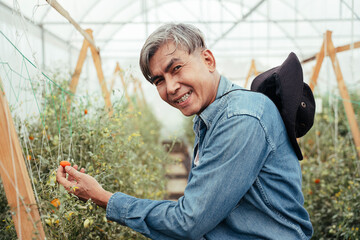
331 172
122 152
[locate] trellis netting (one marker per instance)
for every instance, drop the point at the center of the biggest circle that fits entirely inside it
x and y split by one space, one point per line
38 54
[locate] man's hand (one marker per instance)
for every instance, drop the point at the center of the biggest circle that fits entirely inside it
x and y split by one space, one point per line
82 185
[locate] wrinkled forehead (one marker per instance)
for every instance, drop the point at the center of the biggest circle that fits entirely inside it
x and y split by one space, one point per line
163 56
168 51
170 47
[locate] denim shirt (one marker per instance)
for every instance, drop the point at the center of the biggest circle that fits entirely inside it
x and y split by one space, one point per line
247 184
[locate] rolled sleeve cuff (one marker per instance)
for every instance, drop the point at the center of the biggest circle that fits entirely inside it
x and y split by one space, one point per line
117 207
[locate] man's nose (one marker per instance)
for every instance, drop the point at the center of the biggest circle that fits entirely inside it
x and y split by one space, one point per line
172 85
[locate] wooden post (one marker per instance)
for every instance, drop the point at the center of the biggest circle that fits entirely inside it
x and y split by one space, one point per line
141 91
97 62
331 52
347 47
337 50
15 178
343 92
116 72
316 69
252 71
75 77
120 72
137 86
66 15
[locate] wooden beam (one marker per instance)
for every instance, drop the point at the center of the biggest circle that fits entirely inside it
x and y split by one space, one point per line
76 75
252 71
347 47
97 61
116 72
15 178
120 72
308 59
142 92
66 15
343 92
138 83
337 50
316 69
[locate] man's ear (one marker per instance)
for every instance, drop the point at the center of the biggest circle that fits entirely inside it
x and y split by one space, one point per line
209 60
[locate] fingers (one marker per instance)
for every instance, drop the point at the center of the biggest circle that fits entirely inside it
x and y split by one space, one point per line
61 178
82 170
75 180
60 173
74 174
71 178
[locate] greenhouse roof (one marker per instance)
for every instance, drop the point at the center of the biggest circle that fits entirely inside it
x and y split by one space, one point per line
233 29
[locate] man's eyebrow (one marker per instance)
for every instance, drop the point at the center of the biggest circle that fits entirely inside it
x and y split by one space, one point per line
171 63
167 68
152 79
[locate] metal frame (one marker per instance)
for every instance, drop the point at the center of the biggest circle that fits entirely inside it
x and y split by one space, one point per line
147 6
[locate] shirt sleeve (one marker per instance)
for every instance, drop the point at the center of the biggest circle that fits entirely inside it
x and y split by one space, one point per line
230 161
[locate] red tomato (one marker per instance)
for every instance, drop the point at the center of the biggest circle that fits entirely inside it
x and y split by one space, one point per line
65 163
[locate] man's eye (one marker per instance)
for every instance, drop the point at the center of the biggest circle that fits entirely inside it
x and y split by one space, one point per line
177 67
158 81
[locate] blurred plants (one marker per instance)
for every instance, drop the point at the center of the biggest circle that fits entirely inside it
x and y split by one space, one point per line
188 132
122 152
331 173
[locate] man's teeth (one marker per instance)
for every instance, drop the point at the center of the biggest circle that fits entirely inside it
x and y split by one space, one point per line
186 96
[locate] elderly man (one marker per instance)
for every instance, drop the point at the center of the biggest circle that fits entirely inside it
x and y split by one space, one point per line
245 181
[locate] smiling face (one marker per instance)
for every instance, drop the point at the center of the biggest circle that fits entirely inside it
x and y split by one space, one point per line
186 81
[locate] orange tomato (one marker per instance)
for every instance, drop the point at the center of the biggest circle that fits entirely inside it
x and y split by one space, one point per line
317 181
31 137
65 163
85 111
55 202
28 157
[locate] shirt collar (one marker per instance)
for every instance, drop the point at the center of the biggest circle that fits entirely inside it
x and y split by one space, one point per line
208 114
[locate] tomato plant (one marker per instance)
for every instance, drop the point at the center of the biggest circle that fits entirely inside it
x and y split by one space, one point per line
122 152
331 176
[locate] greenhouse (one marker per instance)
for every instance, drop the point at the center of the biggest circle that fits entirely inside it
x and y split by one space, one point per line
74 92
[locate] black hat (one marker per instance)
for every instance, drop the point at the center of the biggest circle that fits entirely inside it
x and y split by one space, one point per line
294 99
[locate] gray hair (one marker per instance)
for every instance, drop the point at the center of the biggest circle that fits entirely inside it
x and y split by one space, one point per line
185 36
